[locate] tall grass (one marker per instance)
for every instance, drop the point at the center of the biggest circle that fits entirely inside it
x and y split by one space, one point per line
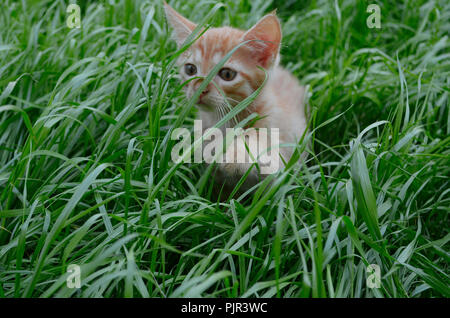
86 175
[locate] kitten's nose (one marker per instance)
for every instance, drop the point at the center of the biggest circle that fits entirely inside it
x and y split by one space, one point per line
205 91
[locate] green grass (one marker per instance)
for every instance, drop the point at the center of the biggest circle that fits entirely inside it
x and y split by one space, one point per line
86 176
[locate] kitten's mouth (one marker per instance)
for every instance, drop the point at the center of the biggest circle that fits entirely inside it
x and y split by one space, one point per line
204 106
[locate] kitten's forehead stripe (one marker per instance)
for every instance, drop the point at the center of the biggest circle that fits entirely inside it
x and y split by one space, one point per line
215 43
217 57
197 55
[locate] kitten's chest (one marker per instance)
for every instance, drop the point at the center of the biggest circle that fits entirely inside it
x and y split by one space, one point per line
210 119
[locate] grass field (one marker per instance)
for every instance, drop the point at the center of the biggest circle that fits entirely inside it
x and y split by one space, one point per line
86 175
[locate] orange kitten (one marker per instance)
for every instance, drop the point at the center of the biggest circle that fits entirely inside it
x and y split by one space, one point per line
280 103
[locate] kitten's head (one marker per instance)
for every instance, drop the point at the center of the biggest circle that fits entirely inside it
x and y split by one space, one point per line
240 76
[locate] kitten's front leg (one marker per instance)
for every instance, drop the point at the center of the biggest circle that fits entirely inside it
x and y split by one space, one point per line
250 147
238 159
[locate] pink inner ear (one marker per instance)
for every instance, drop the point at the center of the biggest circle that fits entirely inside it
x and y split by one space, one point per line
268 52
263 52
182 26
268 31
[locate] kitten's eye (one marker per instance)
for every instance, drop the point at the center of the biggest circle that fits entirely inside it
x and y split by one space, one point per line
190 69
227 74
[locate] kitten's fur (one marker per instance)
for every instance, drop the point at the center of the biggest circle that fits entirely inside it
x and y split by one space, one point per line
281 101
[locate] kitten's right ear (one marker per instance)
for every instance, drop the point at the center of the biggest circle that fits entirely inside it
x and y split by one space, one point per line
267 32
182 27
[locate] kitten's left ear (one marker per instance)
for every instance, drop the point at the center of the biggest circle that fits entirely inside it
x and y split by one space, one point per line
268 31
182 26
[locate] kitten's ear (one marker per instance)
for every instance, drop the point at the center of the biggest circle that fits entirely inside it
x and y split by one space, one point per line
267 29
182 26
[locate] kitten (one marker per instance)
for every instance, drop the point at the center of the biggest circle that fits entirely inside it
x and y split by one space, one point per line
280 103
